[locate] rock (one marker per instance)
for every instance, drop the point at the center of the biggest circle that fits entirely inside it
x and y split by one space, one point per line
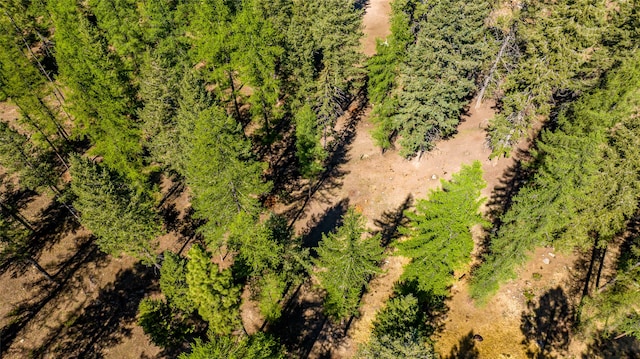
478 338
546 261
434 177
552 255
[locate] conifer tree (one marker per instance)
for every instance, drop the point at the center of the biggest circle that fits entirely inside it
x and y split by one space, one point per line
159 94
585 188
439 234
563 49
384 70
439 73
346 263
308 146
122 219
224 178
15 246
120 22
213 292
18 155
257 346
100 93
257 61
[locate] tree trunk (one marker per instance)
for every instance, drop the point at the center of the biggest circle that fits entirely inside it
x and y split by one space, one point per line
602 258
487 79
233 95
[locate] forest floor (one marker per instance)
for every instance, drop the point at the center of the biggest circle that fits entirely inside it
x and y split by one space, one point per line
92 313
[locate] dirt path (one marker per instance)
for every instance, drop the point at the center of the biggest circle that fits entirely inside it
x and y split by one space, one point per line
376 24
382 186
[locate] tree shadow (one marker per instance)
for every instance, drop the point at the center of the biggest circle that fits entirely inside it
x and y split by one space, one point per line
324 223
48 296
612 347
52 224
391 221
301 322
466 348
548 325
105 321
321 190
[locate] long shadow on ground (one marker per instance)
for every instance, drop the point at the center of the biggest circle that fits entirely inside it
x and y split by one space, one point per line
105 321
26 312
465 349
548 325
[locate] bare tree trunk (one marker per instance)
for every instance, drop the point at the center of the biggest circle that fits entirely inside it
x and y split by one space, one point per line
487 79
233 95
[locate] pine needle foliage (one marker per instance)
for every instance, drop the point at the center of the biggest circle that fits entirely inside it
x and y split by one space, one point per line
439 239
122 218
346 262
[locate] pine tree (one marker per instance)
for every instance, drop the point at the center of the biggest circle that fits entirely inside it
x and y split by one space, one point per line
439 235
439 73
120 22
213 292
585 188
346 263
563 49
257 346
15 245
257 62
159 94
35 168
122 219
309 150
384 70
100 92
223 177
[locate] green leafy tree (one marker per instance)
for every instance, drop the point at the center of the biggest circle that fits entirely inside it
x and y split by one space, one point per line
562 50
213 292
123 219
257 346
100 93
346 263
585 187
439 72
439 233
219 167
159 320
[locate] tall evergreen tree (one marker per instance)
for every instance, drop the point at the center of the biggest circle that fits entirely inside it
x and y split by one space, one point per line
585 188
439 234
563 49
439 73
213 292
100 93
346 263
224 178
257 346
122 219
